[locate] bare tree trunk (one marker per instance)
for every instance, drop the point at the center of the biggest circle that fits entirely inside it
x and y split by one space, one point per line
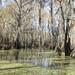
17 46
67 40
40 39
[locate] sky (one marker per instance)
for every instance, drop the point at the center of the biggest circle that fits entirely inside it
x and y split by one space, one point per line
5 2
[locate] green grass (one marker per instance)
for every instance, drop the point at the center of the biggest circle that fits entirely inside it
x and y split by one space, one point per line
7 68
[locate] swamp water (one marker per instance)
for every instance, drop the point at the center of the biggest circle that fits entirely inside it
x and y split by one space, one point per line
42 63
50 63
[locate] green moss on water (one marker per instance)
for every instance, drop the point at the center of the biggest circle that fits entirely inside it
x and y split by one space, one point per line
29 69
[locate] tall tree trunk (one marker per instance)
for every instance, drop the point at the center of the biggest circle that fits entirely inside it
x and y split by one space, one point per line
67 40
18 46
40 38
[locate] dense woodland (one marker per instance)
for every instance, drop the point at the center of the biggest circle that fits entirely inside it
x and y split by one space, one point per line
38 24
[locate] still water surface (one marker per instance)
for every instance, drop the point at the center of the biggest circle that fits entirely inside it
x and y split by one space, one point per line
52 63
